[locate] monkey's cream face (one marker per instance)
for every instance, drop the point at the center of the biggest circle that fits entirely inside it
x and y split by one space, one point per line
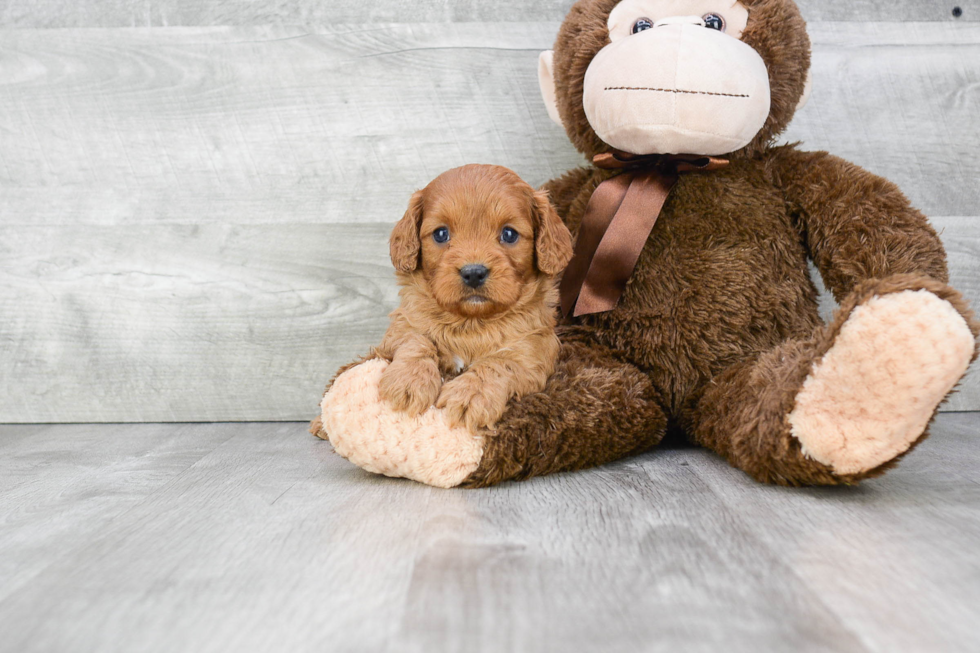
675 79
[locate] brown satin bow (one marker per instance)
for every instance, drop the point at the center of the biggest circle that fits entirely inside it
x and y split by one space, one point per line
617 223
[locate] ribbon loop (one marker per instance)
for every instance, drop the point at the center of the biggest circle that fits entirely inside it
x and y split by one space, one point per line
668 163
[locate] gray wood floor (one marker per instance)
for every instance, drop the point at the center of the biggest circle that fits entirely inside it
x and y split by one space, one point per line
257 537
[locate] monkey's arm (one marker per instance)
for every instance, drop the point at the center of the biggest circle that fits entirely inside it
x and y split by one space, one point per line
855 225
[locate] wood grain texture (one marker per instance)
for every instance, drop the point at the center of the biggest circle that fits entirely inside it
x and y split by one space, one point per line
285 125
263 124
887 557
184 322
257 537
61 493
222 322
163 13
193 221
896 100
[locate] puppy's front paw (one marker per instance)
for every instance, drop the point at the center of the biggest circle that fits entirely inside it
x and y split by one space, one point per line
466 400
410 386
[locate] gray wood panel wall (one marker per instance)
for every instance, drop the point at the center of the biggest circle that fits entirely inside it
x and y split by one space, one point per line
174 13
193 219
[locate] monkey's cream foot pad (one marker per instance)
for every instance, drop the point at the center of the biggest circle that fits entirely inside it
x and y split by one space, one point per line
367 432
872 394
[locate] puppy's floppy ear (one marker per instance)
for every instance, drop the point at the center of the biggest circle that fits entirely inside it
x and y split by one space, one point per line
552 240
405 244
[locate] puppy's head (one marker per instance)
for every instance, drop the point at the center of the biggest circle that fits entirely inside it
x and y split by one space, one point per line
481 240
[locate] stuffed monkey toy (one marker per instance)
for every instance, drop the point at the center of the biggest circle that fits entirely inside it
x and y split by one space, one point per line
688 304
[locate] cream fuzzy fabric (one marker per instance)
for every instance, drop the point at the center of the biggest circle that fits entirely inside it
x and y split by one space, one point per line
374 437
546 82
872 395
707 94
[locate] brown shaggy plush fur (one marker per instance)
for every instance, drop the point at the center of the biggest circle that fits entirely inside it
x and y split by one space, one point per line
492 342
603 401
718 327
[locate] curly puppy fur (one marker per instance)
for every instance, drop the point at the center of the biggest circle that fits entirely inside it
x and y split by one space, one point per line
467 349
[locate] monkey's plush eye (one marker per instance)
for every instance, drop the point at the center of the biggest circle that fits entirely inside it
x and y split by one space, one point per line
509 235
714 21
441 235
642 24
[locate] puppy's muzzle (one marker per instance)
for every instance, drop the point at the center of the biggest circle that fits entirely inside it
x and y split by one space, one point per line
474 275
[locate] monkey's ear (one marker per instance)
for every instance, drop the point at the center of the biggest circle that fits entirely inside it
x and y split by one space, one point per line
807 87
546 80
405 244
552 240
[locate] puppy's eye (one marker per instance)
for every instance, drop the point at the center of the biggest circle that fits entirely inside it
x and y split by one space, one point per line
441 235
642 24
509 235
714 21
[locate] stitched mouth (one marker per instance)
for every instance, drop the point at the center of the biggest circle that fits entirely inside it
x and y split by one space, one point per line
672 90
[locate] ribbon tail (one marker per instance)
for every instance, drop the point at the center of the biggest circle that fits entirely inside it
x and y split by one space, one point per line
616 256
617 223
602 207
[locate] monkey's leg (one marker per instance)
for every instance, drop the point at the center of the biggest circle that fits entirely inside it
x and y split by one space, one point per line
848 402
595 409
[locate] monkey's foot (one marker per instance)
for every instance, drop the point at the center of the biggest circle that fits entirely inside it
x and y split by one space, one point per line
375 437
871 396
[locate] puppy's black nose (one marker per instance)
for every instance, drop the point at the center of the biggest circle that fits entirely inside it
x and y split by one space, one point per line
474 275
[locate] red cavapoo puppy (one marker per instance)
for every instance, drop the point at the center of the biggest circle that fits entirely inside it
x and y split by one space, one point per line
476 253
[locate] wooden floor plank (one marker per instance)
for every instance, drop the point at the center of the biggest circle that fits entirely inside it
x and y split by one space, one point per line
15 435
68 483
895 558
624 558
271 541
225 557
